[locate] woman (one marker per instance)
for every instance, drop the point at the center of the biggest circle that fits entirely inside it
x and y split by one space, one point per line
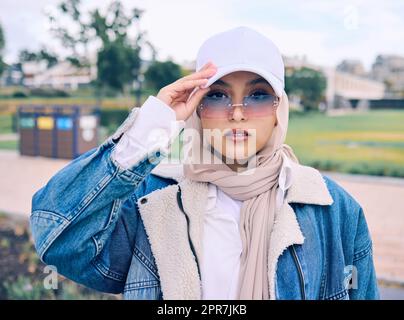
239 218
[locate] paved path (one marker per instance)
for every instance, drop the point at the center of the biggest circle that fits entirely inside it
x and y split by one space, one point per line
381 198
20 177
8 137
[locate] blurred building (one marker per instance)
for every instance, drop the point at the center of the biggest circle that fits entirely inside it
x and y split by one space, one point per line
31 70
64 75
352 66
347 84
345 90
389 69
12 76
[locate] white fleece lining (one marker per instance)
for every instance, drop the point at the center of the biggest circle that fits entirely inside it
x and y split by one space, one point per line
308 186
166 228
194 198
285 232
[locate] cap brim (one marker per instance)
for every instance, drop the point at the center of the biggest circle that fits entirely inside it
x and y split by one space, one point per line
222 71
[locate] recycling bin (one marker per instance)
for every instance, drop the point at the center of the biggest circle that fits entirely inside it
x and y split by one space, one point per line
58 131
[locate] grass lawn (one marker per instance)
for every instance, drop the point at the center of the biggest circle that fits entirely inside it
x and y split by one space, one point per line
9 145
5 123
367 143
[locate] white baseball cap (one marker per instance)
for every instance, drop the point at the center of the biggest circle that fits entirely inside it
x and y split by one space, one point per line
243 49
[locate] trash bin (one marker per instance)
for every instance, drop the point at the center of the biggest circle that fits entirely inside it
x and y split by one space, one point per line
57 131
27 131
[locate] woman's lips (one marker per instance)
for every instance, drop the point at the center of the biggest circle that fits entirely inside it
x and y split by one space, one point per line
237 135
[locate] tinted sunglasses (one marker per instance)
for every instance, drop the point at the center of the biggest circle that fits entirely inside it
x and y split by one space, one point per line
217 105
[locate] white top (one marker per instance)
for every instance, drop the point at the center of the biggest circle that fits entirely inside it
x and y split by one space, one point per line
156 127
221 246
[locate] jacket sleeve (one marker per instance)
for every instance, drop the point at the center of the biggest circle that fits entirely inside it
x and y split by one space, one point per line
364 283
75 216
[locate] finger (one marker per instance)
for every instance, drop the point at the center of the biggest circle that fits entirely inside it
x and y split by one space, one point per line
207 73
196 97
185 95
189 84
203 73
206 66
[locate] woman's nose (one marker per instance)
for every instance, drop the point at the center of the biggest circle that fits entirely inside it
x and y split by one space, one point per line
237 114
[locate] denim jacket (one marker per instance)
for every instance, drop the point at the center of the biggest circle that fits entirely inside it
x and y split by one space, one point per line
138 231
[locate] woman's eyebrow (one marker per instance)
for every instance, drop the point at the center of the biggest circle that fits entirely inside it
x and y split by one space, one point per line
221 82
250 83
256 81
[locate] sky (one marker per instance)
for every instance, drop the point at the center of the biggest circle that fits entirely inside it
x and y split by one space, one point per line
325 32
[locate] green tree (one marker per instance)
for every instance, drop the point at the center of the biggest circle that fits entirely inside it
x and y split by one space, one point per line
43 54
309 84
2 45
118 56
76 42
117 65
160 74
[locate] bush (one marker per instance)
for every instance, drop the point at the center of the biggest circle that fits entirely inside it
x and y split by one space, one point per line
48 93
22 274
112 118
19 94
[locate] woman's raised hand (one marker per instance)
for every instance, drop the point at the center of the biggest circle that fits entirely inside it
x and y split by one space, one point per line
176 95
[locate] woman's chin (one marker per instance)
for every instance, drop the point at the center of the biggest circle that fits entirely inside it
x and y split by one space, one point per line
237 158
239 155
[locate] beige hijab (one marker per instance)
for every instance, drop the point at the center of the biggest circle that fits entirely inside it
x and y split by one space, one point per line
257 189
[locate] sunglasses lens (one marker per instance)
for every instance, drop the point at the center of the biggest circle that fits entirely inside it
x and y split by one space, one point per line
260 106
218 108
214 108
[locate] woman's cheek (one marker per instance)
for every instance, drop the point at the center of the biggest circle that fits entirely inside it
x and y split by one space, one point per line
264 133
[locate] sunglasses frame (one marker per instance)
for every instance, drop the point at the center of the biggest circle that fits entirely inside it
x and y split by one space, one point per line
244 105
